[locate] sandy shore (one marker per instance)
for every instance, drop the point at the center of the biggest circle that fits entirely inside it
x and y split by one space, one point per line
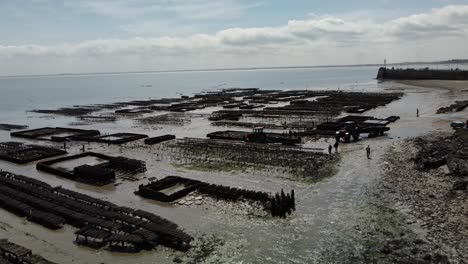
461 86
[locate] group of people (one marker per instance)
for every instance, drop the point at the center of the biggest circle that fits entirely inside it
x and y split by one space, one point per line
368 150
330 148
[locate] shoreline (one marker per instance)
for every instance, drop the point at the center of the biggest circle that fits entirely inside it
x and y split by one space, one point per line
457 86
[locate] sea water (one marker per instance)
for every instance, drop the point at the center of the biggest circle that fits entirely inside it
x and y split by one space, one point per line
20 94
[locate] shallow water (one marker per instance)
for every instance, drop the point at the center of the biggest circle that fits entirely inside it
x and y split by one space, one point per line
323 208
68 165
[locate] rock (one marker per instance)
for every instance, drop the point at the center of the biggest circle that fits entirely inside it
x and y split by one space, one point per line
442 259
419 241
460 185
198 198
181 202
386 250
444 169
198 202
415 261
188 203
427 257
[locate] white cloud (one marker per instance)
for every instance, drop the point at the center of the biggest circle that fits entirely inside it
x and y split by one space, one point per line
318 40
450 20
254 36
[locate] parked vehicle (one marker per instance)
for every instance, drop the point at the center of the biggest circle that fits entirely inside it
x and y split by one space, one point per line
457 124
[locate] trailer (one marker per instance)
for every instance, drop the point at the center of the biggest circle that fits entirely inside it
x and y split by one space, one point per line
350 128
256 136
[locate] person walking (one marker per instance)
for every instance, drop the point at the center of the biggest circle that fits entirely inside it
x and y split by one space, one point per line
417 112
330 149
368 152
336 147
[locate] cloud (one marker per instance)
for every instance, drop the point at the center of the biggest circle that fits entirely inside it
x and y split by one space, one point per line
328 27
449 20
254 36
194 9
325 39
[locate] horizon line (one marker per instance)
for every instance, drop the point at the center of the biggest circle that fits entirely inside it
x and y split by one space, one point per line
458 61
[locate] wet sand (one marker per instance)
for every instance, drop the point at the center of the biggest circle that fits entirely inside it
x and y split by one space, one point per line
324 209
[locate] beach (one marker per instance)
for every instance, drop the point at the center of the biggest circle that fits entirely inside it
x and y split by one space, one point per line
327 210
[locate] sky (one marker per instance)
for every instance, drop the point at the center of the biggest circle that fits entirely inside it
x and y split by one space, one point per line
78 36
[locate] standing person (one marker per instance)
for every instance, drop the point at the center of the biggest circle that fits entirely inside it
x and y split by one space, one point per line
336 147
368 152
330 149
417 112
